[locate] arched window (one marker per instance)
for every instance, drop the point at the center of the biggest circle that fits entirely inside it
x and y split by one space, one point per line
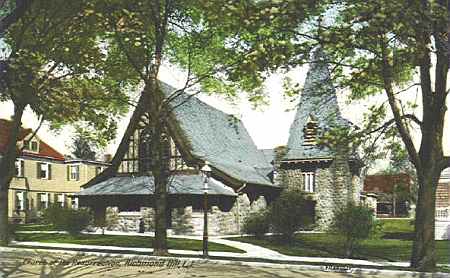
145 150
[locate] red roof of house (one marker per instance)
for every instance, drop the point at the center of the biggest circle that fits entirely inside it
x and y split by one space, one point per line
385 183
45 151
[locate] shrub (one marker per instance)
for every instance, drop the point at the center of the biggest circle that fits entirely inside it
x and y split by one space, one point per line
257 223
70 220
181 224
111 218
354 223
12 228
290 212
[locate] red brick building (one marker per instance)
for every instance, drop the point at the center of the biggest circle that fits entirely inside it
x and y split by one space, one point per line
443 190
392 193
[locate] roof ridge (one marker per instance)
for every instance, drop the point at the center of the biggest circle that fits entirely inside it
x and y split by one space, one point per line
185 93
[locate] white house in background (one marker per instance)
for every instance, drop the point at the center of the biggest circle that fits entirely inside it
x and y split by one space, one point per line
442 230
42 176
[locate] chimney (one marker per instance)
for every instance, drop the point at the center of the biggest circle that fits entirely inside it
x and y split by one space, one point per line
107 157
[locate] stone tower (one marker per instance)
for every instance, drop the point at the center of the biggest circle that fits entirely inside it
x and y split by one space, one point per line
329 176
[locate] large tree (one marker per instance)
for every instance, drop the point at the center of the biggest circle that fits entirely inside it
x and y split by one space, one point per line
397 49
83 146
204 38
57 69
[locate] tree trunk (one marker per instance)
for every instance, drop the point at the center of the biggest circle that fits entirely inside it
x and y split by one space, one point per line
160 242
4 231
160 174
7 172
423 256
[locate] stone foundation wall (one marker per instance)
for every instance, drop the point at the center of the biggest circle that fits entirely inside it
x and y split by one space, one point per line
186 221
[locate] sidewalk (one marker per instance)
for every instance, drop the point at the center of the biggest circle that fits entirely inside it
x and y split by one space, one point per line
252 252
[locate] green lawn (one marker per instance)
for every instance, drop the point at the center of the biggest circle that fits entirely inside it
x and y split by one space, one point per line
123 241
393 245
35 227
397 225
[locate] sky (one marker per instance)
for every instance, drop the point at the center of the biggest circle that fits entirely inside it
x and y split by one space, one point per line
268 125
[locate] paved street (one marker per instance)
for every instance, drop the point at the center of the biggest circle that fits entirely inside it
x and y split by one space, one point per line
30 263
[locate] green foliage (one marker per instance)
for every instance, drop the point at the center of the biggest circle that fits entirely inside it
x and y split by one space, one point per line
225 54
70 220
111 218
12 229
290 212
354 223
257 223
58 68
84 147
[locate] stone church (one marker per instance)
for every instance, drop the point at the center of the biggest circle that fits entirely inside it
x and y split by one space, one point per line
199 134
241 173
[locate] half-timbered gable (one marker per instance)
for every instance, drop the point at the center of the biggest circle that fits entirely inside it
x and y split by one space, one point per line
138 159
196 134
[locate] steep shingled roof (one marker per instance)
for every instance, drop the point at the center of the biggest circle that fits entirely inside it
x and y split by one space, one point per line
220 139
45 151
318 101
269 154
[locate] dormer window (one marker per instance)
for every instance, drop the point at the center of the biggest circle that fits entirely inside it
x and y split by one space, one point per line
31 145
34 146
310 132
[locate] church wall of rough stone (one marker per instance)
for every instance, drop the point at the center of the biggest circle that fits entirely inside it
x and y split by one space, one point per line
188 222
335 186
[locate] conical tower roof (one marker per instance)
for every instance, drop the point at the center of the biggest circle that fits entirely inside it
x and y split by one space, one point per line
318 105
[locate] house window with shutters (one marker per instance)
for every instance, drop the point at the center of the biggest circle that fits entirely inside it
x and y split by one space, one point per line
20 200
74 172
43 201
75 202
309 181
19 165
44 171
61 199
